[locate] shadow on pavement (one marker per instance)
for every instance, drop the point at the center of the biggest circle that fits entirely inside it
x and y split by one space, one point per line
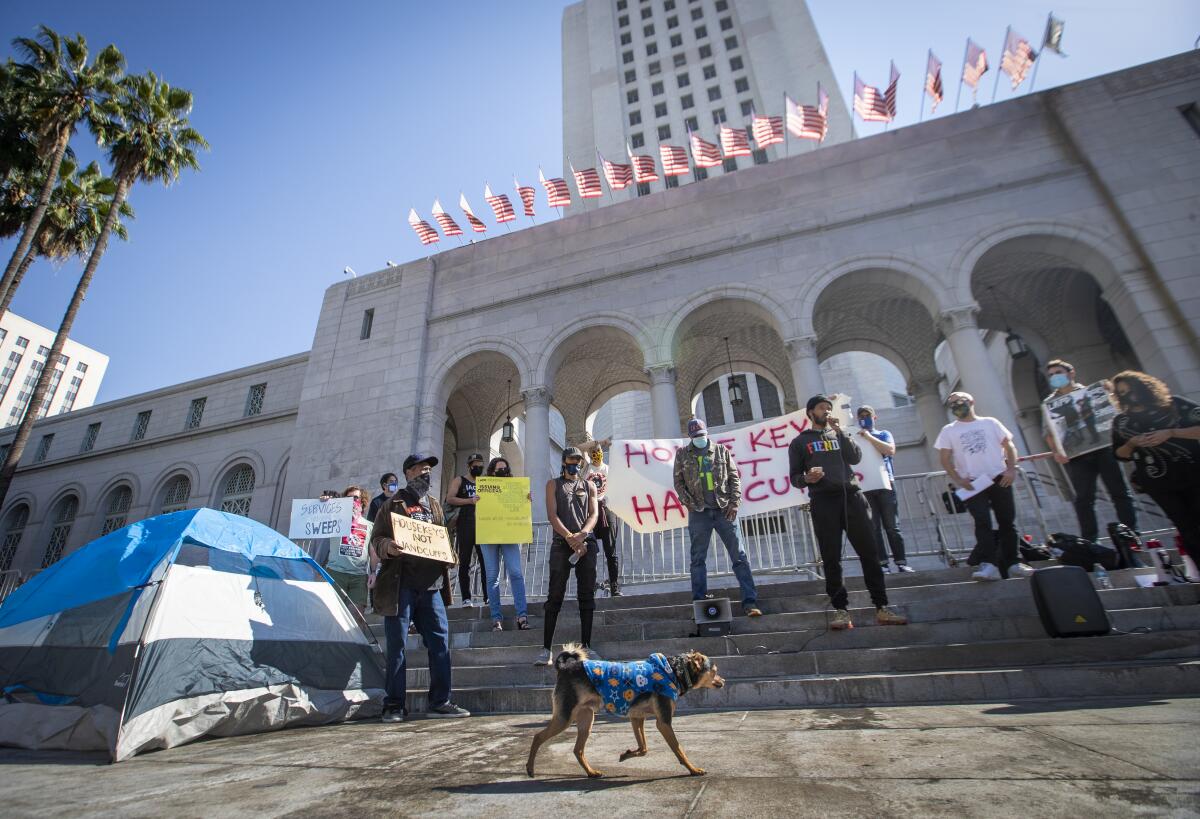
559 784
1072 705
19 756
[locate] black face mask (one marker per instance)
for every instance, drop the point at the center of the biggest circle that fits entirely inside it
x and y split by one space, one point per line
503 473
476 471
419 485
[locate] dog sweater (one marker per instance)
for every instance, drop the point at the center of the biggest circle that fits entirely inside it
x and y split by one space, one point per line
619 684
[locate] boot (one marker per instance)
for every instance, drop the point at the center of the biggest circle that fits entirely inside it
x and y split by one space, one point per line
614 588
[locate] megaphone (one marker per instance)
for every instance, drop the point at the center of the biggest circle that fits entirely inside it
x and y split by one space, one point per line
713 617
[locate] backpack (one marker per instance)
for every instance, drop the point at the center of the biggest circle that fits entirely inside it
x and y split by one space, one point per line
1075 551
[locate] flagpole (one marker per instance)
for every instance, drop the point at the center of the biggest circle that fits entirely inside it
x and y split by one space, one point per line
787 136
1037 60
958 96
996 85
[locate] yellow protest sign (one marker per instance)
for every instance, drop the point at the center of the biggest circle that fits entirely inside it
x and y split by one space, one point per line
503 514
416 537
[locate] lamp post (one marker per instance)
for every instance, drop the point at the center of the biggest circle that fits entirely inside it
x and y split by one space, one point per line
735 389
506 431
1017 348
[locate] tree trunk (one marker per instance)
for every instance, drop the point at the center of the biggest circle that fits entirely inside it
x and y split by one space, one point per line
16 282
25 430
35 220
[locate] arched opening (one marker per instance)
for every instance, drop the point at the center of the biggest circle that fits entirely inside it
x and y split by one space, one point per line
586 369
116 508
740 398
237 489
480 391
62 518
626 414
175 495
14 530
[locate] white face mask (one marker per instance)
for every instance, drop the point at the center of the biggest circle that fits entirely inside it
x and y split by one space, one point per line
700 442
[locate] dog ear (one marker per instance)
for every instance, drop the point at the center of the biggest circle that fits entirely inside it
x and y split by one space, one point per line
696 663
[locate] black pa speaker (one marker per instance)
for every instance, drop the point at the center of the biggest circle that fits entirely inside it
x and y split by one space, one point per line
713 617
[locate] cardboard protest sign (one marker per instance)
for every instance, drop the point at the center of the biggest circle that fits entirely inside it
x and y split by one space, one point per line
421 539
1081 421
504 513
320 519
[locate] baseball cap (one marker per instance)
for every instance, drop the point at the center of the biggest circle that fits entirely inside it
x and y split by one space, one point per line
417 458
817 399
695 427
475 456
572 452
867 408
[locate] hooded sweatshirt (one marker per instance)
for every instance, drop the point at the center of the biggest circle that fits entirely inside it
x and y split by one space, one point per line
834 452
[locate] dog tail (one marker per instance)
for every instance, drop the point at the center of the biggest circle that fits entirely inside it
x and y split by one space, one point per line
572 654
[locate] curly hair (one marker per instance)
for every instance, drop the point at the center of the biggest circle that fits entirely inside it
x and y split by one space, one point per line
1144 390
491 467
366 499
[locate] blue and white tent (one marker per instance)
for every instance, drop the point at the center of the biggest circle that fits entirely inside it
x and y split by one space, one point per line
183 625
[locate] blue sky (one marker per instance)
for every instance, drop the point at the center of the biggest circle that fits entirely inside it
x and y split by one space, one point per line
329 120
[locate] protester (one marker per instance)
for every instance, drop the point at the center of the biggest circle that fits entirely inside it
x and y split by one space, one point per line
884 509
511 552
413 588
388 485
978 452
350 563
596 471
462 493
1083 469
572 510
1160 433
709 485
820 459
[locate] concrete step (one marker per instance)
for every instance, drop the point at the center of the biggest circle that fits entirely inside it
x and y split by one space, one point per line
1160 678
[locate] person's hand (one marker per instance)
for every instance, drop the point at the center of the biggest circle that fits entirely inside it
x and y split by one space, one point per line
370 580
1008 476
834 423
1160 436
731 512
963 483
474 500
392 548
815 474
529 497
1060 458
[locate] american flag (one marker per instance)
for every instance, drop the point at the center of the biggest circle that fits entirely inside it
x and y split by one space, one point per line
644 169
527 194
618 176
587 182
873 106
445 221
933 80
808 121
1017 58
734 141
557 191
767 130
425 231
704 153
975 65
473 220
501 206
674 160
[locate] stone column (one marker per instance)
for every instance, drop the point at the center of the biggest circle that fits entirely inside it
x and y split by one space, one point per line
537 446
431 438
663 402
931 410
975 369
1162 345
806 371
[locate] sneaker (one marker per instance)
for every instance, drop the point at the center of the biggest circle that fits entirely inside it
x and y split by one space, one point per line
448 710
841 620
886 617
466 604
754 611
498 626
392 713
986 571
1020 570
543 657
887 569
904 567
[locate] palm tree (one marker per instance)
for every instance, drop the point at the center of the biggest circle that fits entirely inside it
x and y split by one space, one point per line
63 90
149 139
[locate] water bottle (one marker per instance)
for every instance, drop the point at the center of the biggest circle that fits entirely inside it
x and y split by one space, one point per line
1101 576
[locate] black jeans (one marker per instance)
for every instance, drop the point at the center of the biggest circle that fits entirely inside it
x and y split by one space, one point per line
833 514
585 582
1180 501
606 535
999 500
1083 471
883 517
464 544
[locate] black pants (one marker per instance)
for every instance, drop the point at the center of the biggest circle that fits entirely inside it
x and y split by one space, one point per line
1181 503
585 582
606 535
464 543
1083 471
833 514
999 500
883 517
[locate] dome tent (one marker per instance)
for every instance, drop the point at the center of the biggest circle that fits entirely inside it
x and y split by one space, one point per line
183 625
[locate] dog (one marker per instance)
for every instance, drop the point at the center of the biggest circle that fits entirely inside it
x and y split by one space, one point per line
646 688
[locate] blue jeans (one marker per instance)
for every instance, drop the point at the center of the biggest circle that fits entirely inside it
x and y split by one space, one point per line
425 608
700 528
512 565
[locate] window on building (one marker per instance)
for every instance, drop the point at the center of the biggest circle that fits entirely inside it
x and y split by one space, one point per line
14 529
237 490
760 157
631 75
747 108
669 5
627 57
10 369
730 43
900 399
25 393
672 22
656 88
664 132
648 31
654 68
735 63
671 182
89 438
637 140
51 391
686 101
714 407
43 449
710 71
684 80
140 425
1191 115
660 110
623 20
72 392
768 398
635 117
62 519
726 24
646 13
701 32
367 320
626 38
81 367
3 334
643 189
631 96
741 85
697 13
22 342
4 448
718 116
195 413
43 351
699 174
621 4
714 93
680 60
729 164
651 50
693 123
176 495
117 511
705 52
722 5
255 398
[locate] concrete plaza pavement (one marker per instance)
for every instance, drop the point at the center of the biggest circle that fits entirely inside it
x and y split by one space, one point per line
1091 758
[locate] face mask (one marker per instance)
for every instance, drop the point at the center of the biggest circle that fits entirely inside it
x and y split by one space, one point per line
571 469
960 410
392 487
419 485
476 471
700 442
1059 380
503 473
866 423
597 458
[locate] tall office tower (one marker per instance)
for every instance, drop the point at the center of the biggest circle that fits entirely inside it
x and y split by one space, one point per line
24 348
641 72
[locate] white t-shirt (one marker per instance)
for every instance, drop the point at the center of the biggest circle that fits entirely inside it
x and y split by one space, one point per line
977 446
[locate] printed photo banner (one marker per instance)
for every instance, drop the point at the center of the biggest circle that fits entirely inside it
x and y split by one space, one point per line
1081 421
641 484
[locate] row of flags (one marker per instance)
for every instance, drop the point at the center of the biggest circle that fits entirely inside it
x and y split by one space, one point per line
801 121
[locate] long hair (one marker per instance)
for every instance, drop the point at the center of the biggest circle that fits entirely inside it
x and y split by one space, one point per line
1144 390
366 499
491 467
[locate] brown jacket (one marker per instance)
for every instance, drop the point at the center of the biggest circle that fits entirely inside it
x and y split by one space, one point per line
386 596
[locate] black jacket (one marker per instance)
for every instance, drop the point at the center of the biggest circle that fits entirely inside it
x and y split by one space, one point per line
836 453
